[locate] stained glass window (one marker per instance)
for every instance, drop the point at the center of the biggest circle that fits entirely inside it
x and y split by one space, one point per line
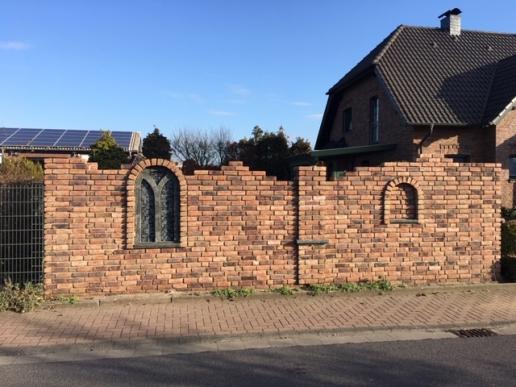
157 209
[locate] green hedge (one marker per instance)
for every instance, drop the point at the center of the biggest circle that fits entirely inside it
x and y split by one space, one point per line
508 261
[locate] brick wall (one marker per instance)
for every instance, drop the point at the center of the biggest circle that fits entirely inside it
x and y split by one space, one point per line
237 230
456 237
242 228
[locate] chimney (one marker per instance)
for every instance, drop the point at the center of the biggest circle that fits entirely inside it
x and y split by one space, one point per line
450 21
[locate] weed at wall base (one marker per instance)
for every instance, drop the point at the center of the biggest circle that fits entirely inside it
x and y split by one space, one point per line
230 293
350 287
20 299
285 291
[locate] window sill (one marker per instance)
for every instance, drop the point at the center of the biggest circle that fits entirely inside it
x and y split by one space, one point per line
156 245
404 221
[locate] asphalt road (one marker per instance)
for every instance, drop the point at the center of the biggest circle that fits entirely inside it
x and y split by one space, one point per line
447 362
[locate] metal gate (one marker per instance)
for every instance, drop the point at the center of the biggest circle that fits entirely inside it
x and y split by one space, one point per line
21 232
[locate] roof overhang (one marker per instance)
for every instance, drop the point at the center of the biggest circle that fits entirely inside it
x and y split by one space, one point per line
351 150
326 154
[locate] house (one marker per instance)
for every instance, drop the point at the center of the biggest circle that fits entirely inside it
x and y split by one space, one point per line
423 90
37 144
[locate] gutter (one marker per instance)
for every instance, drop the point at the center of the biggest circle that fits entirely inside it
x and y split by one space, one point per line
420 145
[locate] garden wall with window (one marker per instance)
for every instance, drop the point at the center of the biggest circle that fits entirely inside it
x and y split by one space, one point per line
147 228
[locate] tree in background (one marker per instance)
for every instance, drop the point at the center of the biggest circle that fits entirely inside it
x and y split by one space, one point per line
270 152
20 170
156 145
107 153
264 151
201 149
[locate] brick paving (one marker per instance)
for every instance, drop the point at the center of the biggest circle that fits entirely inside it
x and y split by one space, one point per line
205 317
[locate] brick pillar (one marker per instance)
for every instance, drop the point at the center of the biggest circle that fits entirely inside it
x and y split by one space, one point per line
311 225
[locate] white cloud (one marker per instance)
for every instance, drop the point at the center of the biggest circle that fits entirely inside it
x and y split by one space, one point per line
300 103
221 113
236 101
315 116
239 90
193 97
14 45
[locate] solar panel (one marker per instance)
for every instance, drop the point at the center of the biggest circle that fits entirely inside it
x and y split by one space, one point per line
59 138
123 139
91 138
47 137
21 137
72 138
6 132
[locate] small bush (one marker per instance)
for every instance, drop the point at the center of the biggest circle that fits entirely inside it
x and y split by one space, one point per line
509 237
509 213
508 267
20 298
20 170
231 293
107 153
508 261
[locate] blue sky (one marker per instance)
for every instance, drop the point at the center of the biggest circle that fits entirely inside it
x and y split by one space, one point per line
129 65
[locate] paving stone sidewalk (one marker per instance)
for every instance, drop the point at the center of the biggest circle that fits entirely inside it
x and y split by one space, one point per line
206 317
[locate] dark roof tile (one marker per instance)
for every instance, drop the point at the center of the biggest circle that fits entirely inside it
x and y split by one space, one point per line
503 89
435 77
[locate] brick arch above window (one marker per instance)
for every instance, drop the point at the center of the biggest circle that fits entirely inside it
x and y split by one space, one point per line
403 201
133 179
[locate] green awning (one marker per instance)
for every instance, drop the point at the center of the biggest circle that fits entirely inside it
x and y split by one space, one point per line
322 154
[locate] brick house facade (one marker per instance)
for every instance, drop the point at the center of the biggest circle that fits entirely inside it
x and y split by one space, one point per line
440 91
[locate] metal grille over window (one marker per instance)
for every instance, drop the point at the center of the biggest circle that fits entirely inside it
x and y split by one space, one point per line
21 232
157 212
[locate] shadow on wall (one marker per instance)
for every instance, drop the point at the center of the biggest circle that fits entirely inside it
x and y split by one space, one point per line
458 141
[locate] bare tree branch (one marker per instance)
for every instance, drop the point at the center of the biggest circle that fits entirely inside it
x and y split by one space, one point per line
202 147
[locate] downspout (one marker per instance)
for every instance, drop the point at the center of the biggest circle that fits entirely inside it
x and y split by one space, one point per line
429 134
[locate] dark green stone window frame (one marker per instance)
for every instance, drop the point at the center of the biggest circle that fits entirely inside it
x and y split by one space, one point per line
157 208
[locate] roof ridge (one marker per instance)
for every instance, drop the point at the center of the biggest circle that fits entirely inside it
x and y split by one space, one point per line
391 40
462 30
489 92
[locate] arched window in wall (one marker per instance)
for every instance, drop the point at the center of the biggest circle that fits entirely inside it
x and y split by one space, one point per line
403 203
157 207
